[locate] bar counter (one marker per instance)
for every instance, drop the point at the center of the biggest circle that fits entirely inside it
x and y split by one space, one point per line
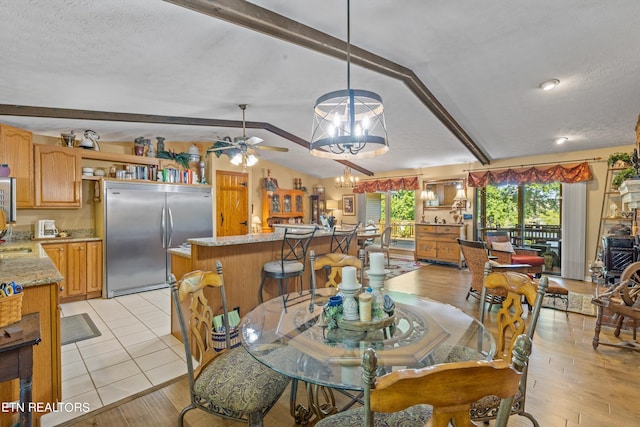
242 258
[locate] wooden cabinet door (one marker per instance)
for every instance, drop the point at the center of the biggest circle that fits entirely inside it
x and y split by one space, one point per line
16 150
94 268
57 252
58 176
76 269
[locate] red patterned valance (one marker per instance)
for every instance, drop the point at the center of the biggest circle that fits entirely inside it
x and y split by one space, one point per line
564 173
387 184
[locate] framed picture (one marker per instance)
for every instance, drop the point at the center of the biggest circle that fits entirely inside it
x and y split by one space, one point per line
348 205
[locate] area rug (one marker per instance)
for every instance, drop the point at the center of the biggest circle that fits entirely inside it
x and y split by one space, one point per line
398 266
578 303
77 328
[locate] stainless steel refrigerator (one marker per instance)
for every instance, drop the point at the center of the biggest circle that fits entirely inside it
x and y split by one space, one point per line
141 221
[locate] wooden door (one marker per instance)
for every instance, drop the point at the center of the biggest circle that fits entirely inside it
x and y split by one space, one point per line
57 176
76 269
94 268
16 150
232 203
57 252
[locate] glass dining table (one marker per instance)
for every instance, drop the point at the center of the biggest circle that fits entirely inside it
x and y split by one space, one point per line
289 335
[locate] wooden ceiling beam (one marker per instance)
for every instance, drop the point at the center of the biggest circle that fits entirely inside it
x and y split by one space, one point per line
110 116
256 18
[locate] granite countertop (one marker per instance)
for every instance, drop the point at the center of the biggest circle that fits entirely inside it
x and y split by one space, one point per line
185 250
26 263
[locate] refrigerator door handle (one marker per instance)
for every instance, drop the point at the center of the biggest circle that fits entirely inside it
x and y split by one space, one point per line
170 228
162 229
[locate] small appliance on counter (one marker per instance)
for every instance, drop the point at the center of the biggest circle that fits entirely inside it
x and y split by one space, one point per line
45 228
7 204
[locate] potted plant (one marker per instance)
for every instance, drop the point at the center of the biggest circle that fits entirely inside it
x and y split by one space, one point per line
622 176
619 160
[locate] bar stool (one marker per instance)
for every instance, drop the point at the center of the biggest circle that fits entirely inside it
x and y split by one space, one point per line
341 239
293 256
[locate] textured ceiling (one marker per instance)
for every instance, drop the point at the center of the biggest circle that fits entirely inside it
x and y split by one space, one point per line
482 60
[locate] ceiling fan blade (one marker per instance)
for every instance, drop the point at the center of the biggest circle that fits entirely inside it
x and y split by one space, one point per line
254 140
222 148
268 147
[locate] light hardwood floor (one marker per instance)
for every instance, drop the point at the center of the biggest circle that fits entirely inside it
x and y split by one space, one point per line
569 384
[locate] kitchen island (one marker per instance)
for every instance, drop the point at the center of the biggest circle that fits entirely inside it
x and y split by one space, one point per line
26 263
242 258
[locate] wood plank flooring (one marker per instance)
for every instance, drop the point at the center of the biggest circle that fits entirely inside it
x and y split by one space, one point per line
569 384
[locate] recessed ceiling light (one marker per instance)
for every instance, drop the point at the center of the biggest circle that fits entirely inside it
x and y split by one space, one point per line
549 84
561 140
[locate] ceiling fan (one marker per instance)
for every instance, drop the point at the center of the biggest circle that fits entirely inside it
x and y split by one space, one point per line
242 150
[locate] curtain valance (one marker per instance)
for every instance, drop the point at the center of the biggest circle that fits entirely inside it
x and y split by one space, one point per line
568 173
387 184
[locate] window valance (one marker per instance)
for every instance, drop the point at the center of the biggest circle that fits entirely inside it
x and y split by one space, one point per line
567 173
387 184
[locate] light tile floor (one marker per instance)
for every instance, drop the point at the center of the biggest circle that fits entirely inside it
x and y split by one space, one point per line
135 351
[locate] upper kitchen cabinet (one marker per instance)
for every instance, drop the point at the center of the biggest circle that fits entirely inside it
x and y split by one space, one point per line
16 150
58 176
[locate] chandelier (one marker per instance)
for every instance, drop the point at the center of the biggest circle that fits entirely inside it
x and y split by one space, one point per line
347 180
348 123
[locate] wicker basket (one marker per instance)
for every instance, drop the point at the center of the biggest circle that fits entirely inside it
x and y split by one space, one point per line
220 341
10 309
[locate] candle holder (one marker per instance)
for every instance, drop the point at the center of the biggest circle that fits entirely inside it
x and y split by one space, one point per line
376 283
349 303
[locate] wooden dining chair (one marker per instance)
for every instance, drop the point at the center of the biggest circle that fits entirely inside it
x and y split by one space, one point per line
438 395
385 242
332 264
229 383
512 319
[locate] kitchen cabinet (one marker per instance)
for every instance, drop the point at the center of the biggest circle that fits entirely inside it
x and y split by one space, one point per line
94 269
58 176
437 242
16 150
282 207
47 375
80 263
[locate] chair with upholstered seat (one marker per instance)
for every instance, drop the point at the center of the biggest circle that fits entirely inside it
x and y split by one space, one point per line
385 241
499 243
229 383
341 238
292 259
512 321
437 395
476 255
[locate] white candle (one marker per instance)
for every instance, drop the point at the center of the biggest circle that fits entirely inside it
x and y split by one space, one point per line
348 278
364 306
376 261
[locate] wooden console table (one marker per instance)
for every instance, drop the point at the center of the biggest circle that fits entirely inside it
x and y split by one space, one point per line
437 242
16 358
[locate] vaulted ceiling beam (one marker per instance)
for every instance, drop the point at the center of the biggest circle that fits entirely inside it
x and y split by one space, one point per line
109 116
256 18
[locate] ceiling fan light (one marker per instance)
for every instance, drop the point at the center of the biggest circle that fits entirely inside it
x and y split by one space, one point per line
236 159
549 84
251 160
